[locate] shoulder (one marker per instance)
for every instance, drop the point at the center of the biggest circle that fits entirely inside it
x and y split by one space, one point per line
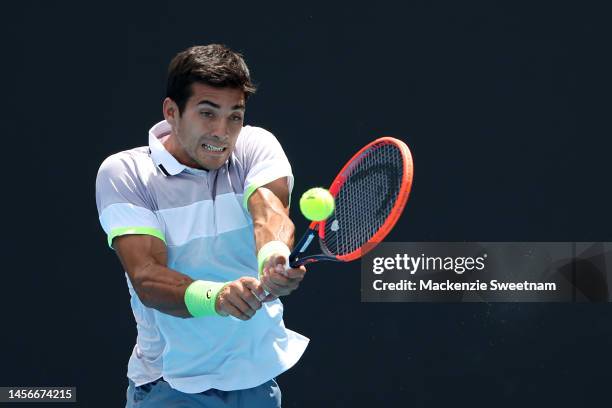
256 141
254 135
126 163
124 178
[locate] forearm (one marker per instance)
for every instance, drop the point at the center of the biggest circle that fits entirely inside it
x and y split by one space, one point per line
269 207
145 258
163 289
276 227
271 220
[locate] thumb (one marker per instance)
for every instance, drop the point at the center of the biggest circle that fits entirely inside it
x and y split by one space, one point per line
282 261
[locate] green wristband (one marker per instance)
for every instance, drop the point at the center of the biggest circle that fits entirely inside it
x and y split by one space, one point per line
272 247
201 296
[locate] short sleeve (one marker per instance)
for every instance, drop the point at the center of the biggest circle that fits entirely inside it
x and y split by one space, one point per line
121 198
265 161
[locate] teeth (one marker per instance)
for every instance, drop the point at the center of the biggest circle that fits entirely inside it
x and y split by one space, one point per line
213 148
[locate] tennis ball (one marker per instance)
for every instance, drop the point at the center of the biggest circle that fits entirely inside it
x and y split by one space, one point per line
317 204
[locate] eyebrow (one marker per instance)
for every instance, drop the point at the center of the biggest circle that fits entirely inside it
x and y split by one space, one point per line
217 106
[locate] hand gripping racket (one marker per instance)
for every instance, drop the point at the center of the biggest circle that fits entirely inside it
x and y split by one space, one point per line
370 193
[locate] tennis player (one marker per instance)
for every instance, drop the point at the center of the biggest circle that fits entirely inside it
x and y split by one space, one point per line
199 220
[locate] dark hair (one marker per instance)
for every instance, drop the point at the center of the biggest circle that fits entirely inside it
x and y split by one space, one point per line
214 65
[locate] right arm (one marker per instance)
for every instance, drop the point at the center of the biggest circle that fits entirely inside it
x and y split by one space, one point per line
123 205
144 257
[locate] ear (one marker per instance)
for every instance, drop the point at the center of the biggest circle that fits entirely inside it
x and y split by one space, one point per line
171 111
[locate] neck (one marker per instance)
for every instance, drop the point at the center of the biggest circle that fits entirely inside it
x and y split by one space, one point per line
173 147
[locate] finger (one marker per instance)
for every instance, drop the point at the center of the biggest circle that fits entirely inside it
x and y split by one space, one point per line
296 273
269 298
284 282
229 309
276 277
281 264
250 298
281 269
255 287
236 300
278 262
259 297
272 288
292 285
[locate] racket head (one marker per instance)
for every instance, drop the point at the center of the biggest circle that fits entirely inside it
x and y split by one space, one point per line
371 192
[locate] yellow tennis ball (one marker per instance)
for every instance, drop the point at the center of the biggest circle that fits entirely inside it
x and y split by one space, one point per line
317 204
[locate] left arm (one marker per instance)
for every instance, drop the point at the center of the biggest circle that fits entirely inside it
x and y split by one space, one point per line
269 208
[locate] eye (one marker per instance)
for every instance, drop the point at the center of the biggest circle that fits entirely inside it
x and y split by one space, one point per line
207 114
236 118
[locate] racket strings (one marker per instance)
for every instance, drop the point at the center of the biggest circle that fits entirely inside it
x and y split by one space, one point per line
365 200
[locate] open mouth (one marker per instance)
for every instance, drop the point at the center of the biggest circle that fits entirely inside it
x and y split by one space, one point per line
212 148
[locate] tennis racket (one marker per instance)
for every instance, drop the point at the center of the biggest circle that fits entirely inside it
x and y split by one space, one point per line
370 194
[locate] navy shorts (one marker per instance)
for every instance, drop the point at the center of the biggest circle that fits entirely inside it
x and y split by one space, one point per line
159 394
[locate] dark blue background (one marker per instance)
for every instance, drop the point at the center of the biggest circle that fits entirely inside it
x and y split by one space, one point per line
506 108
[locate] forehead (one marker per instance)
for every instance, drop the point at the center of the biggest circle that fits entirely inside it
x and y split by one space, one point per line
225 97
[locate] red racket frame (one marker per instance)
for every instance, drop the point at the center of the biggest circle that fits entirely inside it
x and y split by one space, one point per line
336 185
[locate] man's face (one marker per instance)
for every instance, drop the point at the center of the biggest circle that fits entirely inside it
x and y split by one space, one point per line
205 134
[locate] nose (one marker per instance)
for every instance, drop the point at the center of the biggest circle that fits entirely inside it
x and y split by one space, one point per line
221 130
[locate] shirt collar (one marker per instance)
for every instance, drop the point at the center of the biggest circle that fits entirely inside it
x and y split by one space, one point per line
161 157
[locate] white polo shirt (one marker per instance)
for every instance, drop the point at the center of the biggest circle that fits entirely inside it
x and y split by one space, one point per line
203 219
